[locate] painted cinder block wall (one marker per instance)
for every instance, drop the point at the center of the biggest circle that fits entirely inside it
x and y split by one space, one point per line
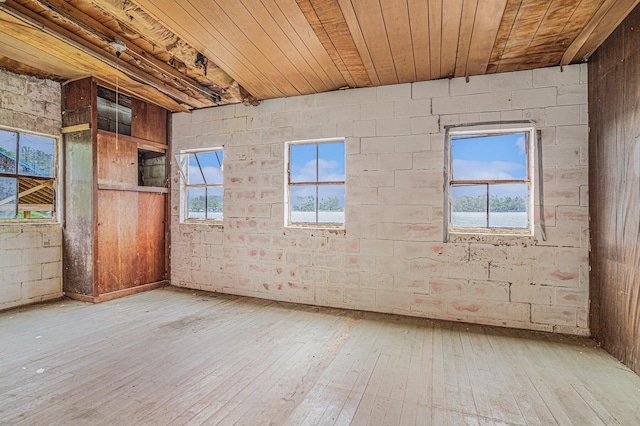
392 258
30 254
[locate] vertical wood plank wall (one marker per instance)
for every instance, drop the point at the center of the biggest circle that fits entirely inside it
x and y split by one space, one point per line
614 184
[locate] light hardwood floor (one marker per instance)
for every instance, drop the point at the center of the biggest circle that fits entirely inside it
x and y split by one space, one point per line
173 356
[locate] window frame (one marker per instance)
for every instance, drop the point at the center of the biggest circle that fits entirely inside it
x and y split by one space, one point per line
288 185
530 152
55 180
185 185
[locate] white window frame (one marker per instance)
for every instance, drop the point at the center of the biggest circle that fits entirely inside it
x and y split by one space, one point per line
288 185
56 179
183 165
530 180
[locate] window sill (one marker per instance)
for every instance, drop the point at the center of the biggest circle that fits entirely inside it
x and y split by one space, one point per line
29 222
335 230
524 239
216 223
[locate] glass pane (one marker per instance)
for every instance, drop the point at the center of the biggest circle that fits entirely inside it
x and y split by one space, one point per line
196 203
214 203
489 157
331 204
36 192
211 164
302 163
37 156
331 162
195 174
508 206
303 204
8 143
468 206
8 192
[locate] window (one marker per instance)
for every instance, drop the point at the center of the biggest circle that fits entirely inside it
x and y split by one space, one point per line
202 184
27 176
315 183
490 181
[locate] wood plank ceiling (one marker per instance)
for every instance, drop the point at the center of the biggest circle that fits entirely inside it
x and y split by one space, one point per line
198 53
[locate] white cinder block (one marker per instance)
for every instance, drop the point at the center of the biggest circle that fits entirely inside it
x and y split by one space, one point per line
564 115
390 257
363 95
535 98
330 99
377 111
496 101
425 125
476 84
505 81
393 299
413 108
552 77
34 289
396 92
342 113
451 105
430 89
554 315
377 145
364 128
572 95
297 103
393 127
534 294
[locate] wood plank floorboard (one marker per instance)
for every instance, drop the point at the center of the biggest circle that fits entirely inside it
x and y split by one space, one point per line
176 356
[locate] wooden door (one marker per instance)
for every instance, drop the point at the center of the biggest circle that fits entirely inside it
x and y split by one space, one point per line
151 237
117 233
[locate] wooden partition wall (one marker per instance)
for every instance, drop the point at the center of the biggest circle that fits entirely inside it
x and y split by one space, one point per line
614 187
115 228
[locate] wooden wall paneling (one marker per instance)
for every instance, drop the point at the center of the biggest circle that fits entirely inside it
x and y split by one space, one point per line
151 237
293 23
451 14
372 25
418 16
117 159
464 41
78 255
189 24
76 102
614 179
356 33
148 121
397 24
117 262
485 30
435 36
594 197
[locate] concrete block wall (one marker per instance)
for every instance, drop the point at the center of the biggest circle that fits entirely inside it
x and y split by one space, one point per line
391 257
30 254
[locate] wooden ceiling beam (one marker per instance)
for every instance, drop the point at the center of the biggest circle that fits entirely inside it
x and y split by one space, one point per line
594 33
73 14
27 16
